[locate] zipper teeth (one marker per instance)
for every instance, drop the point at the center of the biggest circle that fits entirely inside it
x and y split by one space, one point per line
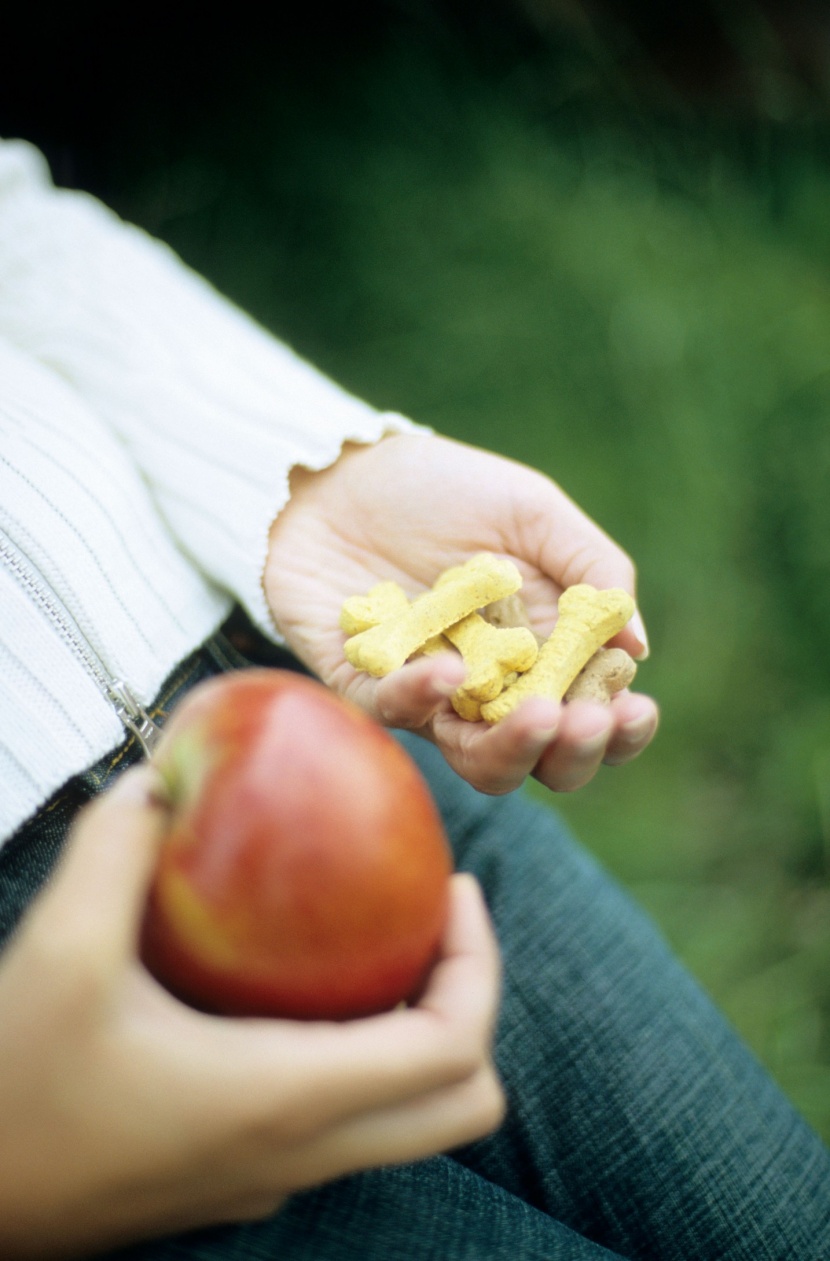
54 608
129 710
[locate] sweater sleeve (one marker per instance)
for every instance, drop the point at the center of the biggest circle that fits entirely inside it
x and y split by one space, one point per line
213 410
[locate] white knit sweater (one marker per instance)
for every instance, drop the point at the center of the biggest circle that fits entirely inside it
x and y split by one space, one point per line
147 429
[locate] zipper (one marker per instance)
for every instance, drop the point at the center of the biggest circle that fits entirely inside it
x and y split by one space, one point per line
120 695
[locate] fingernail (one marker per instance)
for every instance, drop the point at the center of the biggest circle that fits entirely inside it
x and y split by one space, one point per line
445 688
592 745
544 735
638 728
637 626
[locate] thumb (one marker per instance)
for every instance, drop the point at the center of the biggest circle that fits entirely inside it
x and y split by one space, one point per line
100 887
578 550
611 567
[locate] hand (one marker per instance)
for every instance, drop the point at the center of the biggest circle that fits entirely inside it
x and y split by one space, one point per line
406 509
127 1115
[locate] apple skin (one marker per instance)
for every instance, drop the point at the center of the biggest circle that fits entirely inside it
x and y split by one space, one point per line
305 872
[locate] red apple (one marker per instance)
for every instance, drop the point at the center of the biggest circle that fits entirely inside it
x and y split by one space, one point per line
305 871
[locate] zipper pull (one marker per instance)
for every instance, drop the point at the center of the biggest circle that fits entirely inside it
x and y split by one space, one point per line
134 717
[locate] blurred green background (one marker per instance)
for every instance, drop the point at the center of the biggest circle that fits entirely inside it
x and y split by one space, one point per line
596 238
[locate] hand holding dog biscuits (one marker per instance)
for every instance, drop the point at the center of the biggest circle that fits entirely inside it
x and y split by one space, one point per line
385 523
505 663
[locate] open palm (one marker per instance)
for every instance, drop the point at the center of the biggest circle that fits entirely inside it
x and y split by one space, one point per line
406 509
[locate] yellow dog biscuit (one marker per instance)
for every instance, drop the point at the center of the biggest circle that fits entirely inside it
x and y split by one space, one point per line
491 655
360 612
385 647
587 619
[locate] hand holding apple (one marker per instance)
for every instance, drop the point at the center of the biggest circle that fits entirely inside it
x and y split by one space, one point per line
305 871
175 1119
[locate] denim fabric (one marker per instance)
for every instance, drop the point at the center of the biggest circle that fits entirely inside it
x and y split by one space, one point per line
638 1127
437 1210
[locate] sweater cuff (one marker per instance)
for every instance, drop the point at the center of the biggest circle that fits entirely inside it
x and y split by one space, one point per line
245 551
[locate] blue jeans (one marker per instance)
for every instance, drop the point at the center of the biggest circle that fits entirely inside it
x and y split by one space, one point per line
638 1124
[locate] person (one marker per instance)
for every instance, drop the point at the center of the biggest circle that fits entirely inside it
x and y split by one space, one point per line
181 495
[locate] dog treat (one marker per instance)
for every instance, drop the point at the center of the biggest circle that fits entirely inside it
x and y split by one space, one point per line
360 612
385 647
587 619
491 654
494 654
608 672
506 660
510 612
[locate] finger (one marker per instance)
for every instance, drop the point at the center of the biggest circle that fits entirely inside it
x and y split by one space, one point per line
470 952
410 1131
633 638
100 887
574 757
333 1072
576 549
636 719
409 697
498 759
447 1036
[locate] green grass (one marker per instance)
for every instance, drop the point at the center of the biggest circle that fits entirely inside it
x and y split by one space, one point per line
640 306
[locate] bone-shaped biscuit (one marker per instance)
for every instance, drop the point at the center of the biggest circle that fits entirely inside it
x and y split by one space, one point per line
490 655
385 647
608 672
493 657
510 612
360 612
384 600
587 619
